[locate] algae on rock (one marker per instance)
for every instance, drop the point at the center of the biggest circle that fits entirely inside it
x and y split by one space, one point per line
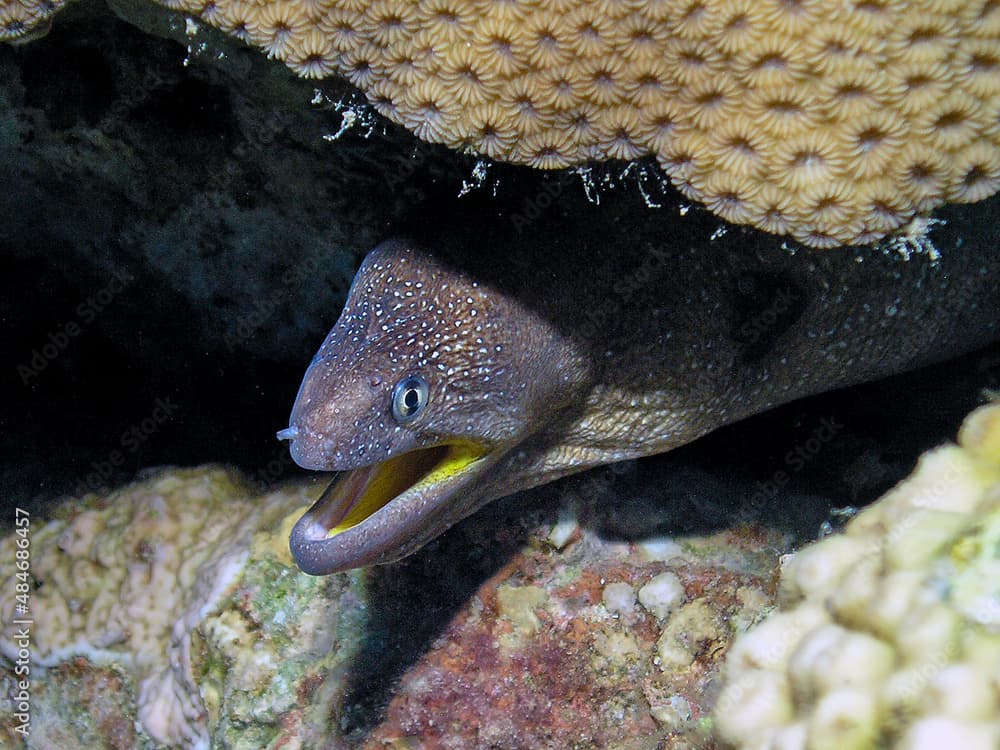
180 587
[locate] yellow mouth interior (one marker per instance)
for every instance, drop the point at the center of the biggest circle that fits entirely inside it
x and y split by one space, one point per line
376 485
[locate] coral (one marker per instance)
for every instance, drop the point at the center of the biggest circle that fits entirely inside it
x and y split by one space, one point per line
835 122
495 639
181 585
24 21
889 634
123 581
662 595
555 652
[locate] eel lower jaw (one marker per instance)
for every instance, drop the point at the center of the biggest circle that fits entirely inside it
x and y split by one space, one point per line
384 511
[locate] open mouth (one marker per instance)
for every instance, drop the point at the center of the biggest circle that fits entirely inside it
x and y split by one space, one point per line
360 493
419 480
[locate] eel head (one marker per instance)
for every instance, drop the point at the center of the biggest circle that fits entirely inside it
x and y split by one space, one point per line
427 381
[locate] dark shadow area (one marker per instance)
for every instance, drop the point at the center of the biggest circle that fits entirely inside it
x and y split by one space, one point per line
70 79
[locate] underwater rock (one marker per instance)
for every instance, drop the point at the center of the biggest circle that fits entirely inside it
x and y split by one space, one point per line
164 589
548 653
170 614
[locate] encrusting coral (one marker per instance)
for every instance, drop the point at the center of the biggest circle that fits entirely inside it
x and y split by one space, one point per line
170 613
127 582
890 633
174 601
834 121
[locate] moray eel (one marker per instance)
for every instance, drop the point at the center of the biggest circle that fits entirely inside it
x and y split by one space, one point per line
459 373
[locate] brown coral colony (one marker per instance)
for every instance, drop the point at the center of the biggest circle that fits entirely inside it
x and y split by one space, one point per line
834 121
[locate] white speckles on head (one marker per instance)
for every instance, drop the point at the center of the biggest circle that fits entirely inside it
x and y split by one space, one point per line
407 318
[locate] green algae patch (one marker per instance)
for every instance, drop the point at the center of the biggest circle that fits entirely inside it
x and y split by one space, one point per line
272 658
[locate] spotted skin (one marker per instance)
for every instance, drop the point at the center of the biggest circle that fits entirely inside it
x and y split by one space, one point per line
408 314
599 350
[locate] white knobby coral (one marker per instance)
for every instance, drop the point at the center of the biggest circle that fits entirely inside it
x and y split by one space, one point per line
890 633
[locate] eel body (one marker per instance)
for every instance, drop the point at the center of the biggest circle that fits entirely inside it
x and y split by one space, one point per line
469 365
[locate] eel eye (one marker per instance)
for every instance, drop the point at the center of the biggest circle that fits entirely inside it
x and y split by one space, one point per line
409 398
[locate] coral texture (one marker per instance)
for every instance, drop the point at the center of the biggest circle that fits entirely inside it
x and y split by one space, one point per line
834 122
890 633
560 651
125 580
177 593
174 601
